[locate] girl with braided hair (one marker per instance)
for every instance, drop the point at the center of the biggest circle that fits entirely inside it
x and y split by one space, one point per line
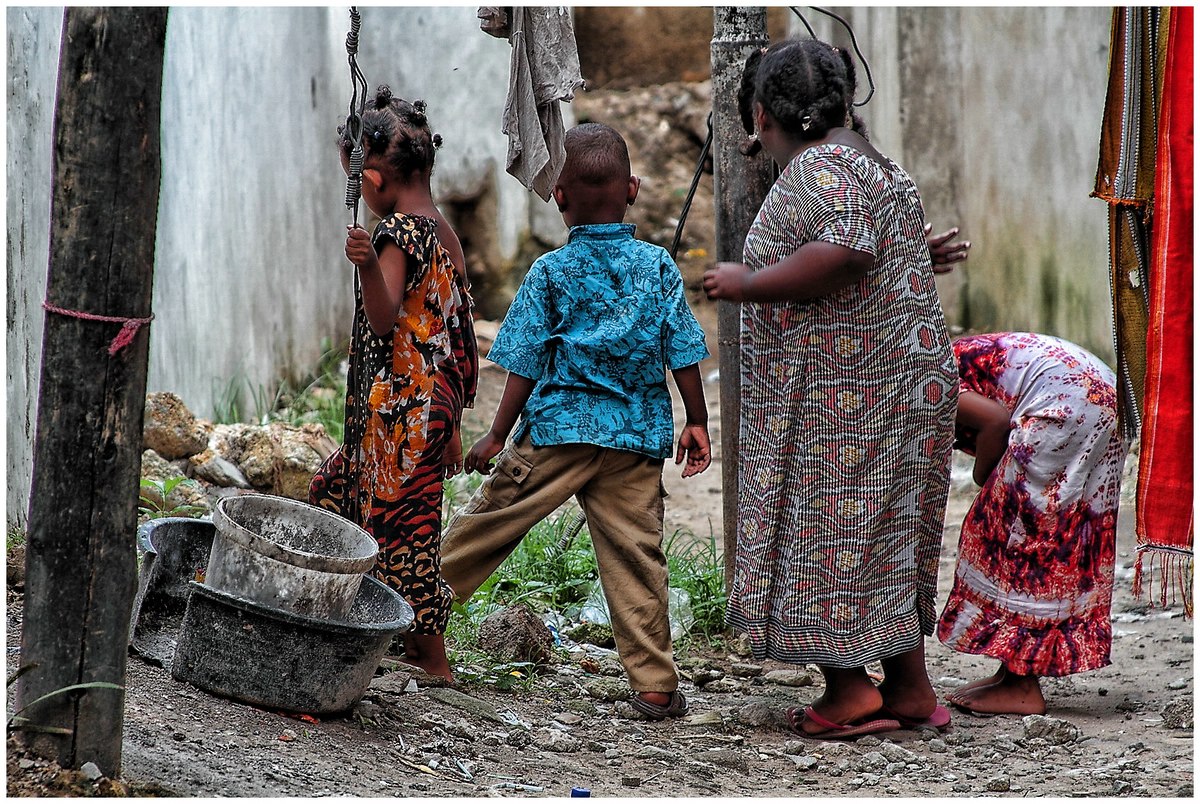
413 368
847 407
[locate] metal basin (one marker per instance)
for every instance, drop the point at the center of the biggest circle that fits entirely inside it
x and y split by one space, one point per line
278 659
288 555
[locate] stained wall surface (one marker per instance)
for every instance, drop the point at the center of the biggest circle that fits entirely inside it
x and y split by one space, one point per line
251 283
994 111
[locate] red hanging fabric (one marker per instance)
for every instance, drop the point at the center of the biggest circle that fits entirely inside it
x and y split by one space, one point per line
1165 482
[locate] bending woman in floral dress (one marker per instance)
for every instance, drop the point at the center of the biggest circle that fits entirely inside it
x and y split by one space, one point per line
847 418
1034 580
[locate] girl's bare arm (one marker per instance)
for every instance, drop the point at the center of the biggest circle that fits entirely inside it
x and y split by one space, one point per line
992 421
381 277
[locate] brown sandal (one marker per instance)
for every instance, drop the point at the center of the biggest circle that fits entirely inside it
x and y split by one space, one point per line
675 707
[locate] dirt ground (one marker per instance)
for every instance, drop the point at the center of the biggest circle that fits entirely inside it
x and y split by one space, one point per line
1123 730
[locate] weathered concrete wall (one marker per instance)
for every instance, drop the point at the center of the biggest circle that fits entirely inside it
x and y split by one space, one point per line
33 39
250 278
996 114
995 111
462 74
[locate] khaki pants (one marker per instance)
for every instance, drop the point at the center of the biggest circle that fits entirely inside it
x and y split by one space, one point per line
621 494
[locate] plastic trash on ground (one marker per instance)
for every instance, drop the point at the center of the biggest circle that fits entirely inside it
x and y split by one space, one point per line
679 609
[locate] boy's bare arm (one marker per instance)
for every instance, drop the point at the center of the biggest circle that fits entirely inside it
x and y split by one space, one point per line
516 393
693 440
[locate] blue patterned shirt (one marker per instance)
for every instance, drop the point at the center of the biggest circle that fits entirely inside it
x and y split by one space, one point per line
597 324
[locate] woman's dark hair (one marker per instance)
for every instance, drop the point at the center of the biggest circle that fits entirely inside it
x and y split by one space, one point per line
396 132
806 85
745 95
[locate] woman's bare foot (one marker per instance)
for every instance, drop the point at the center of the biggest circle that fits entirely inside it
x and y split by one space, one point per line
849 696
960 692
1011 695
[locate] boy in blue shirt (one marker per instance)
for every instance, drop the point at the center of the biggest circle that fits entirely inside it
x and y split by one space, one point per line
587 342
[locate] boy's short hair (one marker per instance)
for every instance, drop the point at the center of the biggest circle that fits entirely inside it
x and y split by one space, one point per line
596 155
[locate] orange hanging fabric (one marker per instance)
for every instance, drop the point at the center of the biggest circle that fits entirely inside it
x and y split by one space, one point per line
1125 179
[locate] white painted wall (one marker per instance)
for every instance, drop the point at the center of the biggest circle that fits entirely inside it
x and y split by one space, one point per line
33 37
250 277
996 114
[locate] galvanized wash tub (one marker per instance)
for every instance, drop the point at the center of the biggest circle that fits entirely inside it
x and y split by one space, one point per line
288 555
174 552
277 659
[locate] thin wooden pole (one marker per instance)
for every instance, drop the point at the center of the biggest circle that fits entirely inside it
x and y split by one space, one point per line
80 557
740 184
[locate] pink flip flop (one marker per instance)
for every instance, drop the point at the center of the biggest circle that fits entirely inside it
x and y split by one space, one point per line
939 720
839 731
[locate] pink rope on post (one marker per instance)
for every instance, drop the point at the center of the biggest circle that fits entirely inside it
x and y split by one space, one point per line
129 326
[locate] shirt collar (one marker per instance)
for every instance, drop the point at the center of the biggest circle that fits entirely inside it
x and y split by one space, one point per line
602 231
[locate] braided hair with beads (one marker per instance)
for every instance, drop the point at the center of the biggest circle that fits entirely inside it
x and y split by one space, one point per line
396 133
807 85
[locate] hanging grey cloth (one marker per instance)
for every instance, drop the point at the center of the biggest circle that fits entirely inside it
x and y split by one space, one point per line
493 20
544 70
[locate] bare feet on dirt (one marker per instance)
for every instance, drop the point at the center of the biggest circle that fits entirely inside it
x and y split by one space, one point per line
428 652
850 699
1010 695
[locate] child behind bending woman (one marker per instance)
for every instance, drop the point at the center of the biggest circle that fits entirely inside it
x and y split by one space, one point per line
413 368
587 343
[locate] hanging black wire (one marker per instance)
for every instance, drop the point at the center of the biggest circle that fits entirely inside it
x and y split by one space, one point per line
811 32
853 42
354 123
687 204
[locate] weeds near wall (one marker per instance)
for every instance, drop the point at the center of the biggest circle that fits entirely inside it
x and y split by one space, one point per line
16 536
17 722
317 399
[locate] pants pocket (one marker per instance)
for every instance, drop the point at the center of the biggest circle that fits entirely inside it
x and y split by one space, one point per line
504 483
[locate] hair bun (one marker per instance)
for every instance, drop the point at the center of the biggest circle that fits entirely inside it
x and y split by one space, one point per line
437 140
383 96
420 106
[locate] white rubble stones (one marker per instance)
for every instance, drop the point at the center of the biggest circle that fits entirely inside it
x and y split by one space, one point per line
1051 729
212 468
170 429
516 634
273 458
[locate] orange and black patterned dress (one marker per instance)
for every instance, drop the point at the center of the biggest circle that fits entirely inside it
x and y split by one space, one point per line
405 393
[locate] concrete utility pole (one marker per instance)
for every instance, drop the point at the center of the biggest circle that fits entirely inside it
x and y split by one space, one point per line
739 186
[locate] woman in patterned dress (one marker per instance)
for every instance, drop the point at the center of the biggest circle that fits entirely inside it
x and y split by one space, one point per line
848 403
413 368
1034 579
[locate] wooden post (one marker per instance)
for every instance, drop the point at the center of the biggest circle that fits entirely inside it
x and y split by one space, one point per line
739 186
80 558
